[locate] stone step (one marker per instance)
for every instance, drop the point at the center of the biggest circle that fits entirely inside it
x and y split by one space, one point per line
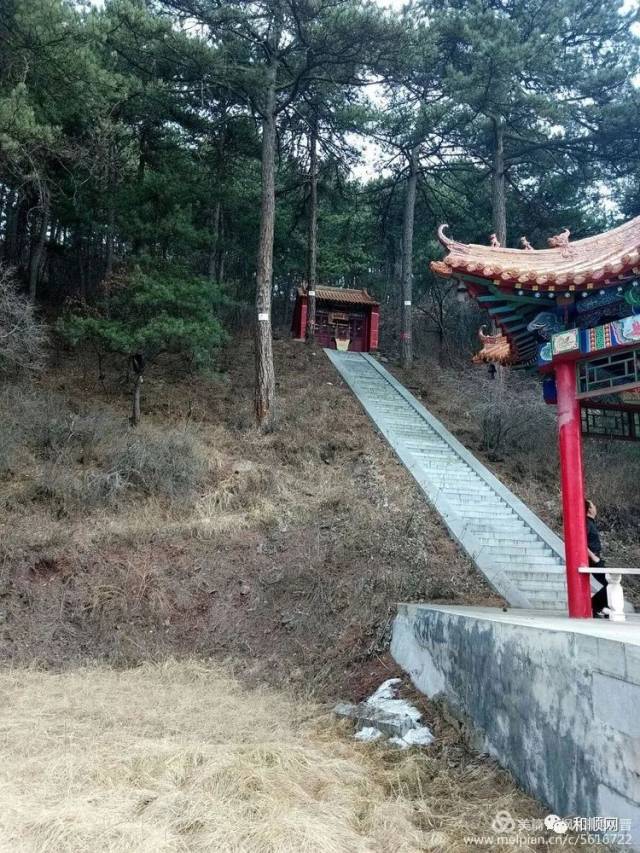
524 548
474 499
515 525
469 488
523 559
535 585
550 604
466 511
544 577
482 516
452 478
475 503
525 537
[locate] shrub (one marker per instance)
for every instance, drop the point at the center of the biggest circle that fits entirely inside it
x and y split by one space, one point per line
613 473
510 413
43 423
70 491
153 463
168 463
22 336
92 458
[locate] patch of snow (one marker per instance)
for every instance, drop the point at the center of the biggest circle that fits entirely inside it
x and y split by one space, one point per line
368 734
386 699
420 736
387 690
384 714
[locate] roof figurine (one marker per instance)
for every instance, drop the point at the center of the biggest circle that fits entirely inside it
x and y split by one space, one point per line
559 240
495 349
594 262
576 280
494 242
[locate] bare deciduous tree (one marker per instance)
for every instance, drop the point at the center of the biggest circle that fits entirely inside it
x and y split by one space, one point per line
22 335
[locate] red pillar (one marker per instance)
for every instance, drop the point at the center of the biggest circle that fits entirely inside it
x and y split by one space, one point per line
572 478
374 320
302 329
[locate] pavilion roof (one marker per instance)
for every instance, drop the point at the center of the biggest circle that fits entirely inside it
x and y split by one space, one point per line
599 261
347 295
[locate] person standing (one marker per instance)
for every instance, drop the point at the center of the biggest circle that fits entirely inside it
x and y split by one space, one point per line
594 547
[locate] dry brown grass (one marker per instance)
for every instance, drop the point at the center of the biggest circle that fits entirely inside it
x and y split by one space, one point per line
287 559
290 549
179 757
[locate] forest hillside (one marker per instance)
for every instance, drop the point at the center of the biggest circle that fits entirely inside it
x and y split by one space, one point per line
203 540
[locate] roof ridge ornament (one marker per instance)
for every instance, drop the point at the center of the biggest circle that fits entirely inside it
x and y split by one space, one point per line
526 245
496 349
442 237
559 241
494 242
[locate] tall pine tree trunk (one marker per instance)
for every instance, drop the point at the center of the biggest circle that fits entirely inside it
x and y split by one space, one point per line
265 374
312 245
38 248
56 232
138 363
499 197
5 194
14 216
498 200
406 343
220 255
143 153
111 216
108 268
213 243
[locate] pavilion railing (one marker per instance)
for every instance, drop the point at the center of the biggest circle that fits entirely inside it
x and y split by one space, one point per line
615 594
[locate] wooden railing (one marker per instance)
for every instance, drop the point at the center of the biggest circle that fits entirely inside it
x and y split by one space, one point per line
615 595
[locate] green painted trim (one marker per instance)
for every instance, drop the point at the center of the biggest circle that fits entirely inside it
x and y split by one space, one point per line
506 297
501 309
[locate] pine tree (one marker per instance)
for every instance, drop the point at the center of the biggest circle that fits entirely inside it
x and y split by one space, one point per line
528 73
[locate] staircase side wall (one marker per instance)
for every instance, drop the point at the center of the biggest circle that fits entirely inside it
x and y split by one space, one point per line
558 708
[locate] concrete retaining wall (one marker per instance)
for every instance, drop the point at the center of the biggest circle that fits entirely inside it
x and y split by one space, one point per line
555 701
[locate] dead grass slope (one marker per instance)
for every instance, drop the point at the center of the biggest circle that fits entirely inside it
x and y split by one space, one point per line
197 535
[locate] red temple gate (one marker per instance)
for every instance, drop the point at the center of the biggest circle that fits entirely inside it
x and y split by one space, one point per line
346 318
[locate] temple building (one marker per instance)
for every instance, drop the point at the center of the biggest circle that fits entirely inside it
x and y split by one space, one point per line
346 318
574 310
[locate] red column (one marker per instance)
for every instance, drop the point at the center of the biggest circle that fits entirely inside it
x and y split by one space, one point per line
302 331
572 478
374 319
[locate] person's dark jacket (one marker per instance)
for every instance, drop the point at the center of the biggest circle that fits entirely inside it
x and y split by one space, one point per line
593 542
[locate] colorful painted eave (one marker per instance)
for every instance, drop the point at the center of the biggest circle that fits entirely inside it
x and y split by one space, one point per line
594 262
512 316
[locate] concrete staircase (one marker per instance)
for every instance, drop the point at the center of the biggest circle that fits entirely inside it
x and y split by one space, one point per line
519 555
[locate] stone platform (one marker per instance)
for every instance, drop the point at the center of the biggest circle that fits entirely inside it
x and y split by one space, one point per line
554 700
